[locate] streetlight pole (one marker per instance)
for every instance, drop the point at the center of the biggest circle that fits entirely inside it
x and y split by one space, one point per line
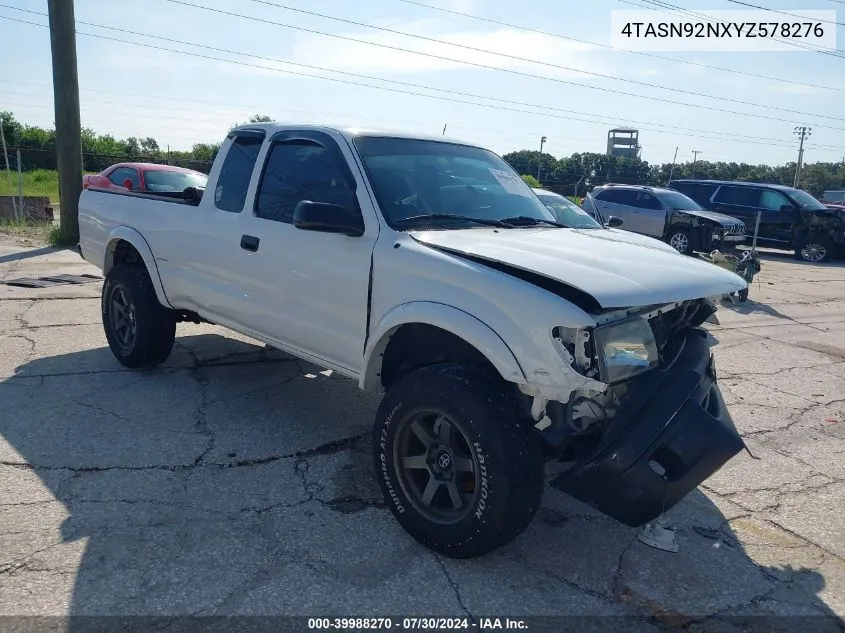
695 154
540 158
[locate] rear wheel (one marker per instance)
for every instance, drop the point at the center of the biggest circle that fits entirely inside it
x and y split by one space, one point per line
681 241
140 330
460 472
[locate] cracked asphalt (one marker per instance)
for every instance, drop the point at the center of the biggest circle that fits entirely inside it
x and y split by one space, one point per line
236 480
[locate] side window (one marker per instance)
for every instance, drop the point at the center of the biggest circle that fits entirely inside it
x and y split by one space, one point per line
618 196
645 200
740 196
296 171
772 200
119 175
236 173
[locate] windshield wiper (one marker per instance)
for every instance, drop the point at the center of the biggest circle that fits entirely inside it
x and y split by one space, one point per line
452 216
525 220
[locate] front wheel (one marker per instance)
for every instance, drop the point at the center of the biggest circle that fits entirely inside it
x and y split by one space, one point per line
812 249
140 330
681 241
460 471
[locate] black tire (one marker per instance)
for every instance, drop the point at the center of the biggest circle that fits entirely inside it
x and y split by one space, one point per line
146 338
678 237
813 249
743 294
506 455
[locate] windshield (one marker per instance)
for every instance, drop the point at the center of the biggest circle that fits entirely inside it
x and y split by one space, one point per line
677 200
161 180
417 180
805 200
568 213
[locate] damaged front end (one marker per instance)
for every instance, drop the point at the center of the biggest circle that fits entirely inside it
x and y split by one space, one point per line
647 423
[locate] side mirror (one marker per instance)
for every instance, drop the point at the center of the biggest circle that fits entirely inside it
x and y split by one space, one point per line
614 221
326 217
128 183
787 208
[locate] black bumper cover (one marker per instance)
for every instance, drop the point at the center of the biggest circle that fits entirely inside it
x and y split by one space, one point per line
674 433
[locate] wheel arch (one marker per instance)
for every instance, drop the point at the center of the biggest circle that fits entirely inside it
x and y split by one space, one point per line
468 335
127 245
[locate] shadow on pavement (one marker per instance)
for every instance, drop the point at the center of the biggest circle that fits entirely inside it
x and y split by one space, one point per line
38 252
242 484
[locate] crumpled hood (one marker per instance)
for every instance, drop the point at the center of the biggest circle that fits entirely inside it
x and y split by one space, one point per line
720 218
610 266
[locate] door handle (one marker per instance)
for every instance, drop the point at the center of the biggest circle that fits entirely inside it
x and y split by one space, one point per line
249 243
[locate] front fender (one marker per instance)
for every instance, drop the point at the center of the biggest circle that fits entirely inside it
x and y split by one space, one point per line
460 323
137 240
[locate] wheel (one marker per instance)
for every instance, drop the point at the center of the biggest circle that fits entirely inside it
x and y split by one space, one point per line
743 294
461 472
681 241
812 249
140 330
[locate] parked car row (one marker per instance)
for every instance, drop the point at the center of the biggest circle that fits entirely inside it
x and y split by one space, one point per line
703 215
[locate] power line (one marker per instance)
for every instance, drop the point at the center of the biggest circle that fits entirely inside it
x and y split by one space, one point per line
261 20
724 137
794 15
505 55
615 48
681 131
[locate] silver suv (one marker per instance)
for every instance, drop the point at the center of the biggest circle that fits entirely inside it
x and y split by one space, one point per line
668 215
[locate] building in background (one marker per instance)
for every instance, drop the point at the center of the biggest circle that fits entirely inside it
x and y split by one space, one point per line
623 142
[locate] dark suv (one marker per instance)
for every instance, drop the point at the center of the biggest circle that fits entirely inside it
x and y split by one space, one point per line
789 218
666 215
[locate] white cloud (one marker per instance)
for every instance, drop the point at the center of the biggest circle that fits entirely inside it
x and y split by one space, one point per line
356 57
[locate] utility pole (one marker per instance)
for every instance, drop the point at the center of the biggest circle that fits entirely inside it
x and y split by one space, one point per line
803 132
540 159
68 125
695 154
672 170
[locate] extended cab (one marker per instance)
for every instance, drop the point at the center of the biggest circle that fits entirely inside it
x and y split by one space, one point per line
427 269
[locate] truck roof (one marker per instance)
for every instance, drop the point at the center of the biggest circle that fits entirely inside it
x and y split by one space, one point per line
351 131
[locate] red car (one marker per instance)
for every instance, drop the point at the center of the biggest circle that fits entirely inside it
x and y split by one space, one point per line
145 178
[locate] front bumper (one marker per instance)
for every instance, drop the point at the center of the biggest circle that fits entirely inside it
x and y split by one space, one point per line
672 435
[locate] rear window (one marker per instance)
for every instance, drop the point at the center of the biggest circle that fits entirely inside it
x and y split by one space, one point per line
159 180
739 196
236 173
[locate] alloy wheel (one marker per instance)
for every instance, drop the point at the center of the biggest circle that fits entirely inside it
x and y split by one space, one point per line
813 252
679 242
436 466
122 317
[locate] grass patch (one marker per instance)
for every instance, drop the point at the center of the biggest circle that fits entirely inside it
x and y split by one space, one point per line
40 182
29 233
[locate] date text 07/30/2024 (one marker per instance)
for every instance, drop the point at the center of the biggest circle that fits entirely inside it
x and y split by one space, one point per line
416 624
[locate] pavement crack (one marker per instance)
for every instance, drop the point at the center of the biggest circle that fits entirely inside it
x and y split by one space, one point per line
455 588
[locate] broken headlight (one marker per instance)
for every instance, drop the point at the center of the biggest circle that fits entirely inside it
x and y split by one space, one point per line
625 349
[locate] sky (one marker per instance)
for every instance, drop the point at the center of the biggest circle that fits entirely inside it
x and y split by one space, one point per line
305 68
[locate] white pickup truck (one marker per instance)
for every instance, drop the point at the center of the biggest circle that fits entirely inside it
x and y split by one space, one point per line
426 269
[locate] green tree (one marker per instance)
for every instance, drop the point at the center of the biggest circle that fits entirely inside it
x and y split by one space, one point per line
530 180
260 118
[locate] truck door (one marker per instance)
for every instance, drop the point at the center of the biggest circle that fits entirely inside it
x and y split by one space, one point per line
743 203
618 202
309 288
778 216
